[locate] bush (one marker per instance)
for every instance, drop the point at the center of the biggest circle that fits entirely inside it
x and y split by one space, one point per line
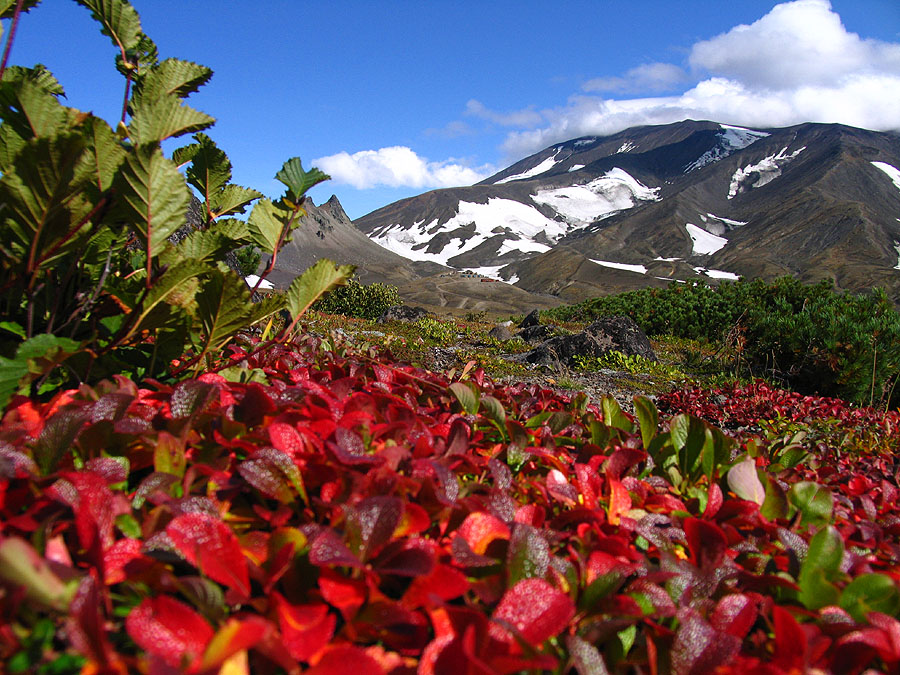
358 300
808 336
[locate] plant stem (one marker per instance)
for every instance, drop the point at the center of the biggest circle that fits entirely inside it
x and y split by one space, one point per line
12 34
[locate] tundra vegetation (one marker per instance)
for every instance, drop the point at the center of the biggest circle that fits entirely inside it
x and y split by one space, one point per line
180 493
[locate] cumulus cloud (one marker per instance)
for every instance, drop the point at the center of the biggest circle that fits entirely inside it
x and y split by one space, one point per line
651 77
398 166
798 63
527 117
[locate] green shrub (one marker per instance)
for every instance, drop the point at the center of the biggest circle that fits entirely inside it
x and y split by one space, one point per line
248 258
811 337
93 280
358 300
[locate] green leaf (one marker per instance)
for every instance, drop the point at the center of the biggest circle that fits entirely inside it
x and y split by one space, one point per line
172 77
153 197
7 7
46 195
528 554
814 502
775 505
120 21
168 454
648 417
232 199
12 373
815 589
297 180
266 222
467 395
34 358
744 481
613 415
493 410
23 567
106 152
688 434
870 593
313 283
210 169
38 75
156 119
826 550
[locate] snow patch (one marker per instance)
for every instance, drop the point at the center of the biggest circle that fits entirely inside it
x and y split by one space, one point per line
731 139
491 272
717 274
477 223
891 171
585 141
575 167
760 174
546 165
668 259
640 269
614 191
252 279
627 146
514 279
704 242
897 248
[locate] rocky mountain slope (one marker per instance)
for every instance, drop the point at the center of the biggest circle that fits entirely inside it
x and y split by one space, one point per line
654 204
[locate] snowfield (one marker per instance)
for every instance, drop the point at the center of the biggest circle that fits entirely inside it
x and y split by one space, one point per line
602 197
765 172
704 242
640 269
891 171
731 139
546 165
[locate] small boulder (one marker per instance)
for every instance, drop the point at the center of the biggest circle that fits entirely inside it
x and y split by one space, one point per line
535 334
501 332
532 319
404 313
616 333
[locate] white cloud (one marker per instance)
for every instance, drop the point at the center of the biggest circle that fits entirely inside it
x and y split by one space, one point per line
398 166
798 63
653 77
527 117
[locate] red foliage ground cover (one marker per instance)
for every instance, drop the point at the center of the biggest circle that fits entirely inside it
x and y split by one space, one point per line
357 515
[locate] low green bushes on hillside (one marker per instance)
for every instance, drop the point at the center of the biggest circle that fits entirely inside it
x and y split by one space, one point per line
358 300
808 336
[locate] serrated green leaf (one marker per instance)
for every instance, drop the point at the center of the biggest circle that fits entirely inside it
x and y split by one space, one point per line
234 229
297 180
467 395
199 245
31 110
265 223
210 169
870 593
8 7
38 75
168 289
154 120
185 154
232 199
12 373
172 77
119 19
313 283
152 196
106 152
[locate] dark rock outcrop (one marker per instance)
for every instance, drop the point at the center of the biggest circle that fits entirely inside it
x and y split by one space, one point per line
614 333
535 334
404 313
532 319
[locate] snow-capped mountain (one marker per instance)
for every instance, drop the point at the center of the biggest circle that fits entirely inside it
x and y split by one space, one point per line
658 203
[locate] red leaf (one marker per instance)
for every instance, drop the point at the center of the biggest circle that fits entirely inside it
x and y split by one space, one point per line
235 636
371 523
346 660
699 648
735 615
348 595
790 641
169 629
707 543
255 405
619 501
208 544
444 583
85 624
415 519
119 556
305 629
714 500
479 529
535 609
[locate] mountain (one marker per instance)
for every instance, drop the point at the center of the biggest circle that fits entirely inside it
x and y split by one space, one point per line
653 204
326 232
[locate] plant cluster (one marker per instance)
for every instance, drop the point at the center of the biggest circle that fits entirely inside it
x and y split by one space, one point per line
358 300
347 508
98 273
808 336
628 363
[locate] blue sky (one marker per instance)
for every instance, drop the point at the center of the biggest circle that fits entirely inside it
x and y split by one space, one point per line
394 98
